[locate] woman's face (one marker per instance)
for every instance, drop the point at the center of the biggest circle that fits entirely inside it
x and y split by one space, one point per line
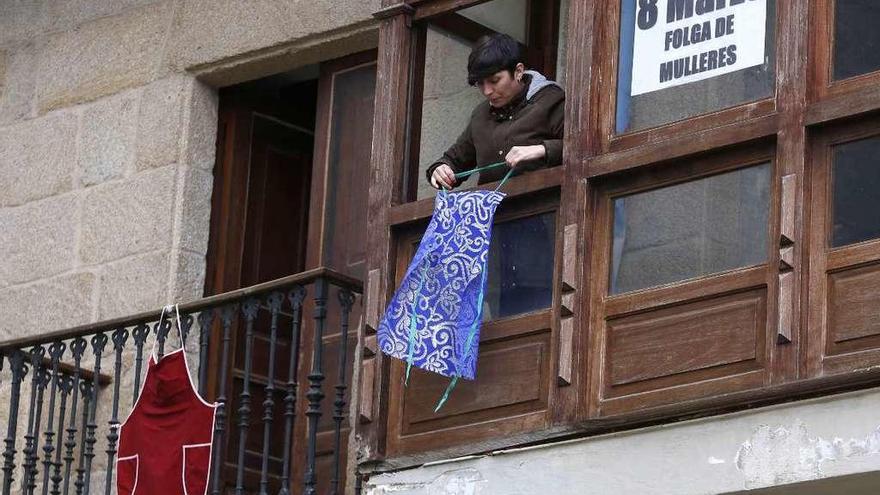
501 87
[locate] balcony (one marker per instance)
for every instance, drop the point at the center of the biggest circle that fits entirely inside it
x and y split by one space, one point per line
277 358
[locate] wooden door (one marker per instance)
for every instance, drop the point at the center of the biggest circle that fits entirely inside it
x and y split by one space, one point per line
290 195
259 223
337 238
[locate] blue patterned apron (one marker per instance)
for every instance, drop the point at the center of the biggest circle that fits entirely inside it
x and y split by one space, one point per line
433 320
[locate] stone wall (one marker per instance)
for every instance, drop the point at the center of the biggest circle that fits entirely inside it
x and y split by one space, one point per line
108 122
107 135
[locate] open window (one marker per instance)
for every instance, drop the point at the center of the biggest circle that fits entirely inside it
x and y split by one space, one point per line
517 365
442 100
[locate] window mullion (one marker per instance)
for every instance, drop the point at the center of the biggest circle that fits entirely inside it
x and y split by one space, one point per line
790 233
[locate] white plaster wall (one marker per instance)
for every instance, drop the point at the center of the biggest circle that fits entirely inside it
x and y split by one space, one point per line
819 439
804 442
504 16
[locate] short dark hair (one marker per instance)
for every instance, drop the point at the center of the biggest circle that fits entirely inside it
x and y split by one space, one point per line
491 54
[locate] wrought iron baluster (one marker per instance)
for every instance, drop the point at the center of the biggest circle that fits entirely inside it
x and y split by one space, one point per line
77 349
139 334
186 323
227 315
66 384
34 454
316 377
161 328
18 369
346 299
98 343
249 309
206 318
85 390
358 483
56 350
120 336
275 300
30 442
296 297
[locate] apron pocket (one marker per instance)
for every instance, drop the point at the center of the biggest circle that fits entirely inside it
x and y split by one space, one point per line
126 475
196 462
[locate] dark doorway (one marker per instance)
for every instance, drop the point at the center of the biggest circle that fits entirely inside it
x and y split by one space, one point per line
288 197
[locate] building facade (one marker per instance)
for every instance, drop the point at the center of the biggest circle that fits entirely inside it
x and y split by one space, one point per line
687 304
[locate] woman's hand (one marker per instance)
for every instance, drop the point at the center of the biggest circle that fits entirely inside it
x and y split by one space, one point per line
443 175
519 154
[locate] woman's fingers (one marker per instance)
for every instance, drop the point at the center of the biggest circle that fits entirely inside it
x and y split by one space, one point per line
514 156
448 176
519 154
444 176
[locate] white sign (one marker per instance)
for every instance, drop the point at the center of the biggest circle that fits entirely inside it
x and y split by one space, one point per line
682 41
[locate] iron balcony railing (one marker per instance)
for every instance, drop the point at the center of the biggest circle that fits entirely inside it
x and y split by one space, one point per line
62 396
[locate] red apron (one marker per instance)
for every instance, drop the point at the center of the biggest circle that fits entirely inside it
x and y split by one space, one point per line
165 443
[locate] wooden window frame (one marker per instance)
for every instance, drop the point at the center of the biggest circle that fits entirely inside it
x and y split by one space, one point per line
830 99
794 122
390 213
606 306
443 14
778 120
541 321
825 356
611 142
822 41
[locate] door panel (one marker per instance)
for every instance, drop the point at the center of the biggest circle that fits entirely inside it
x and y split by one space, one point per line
337 239
258 225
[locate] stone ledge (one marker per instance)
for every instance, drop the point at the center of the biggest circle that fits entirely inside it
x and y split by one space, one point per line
208 31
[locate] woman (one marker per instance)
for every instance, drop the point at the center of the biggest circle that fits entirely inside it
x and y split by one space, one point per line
521 121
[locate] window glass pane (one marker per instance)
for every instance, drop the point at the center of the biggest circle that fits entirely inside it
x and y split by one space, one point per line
691 229
520 266
521 258
856 38
682 58
856 182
